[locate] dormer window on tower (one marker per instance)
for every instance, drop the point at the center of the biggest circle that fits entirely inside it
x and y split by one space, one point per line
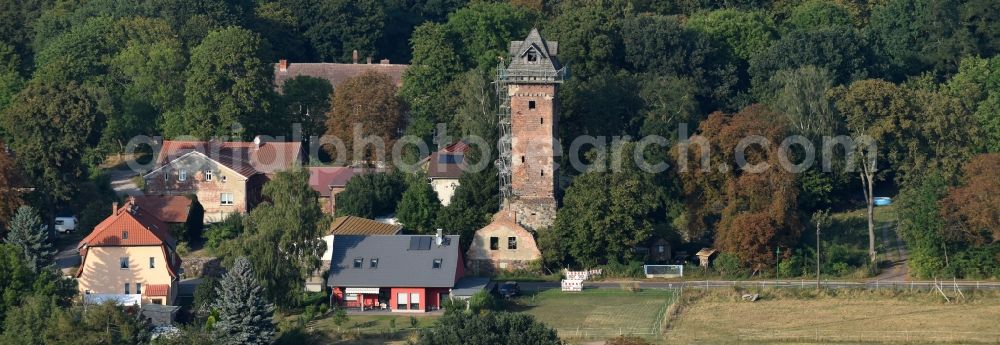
532 56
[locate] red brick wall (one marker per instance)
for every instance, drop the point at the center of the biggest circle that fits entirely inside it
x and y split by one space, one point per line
533 143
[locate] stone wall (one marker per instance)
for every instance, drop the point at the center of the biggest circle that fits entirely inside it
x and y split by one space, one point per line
483 258
533 140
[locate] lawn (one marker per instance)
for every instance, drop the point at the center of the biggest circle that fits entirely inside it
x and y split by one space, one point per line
598 313
858 317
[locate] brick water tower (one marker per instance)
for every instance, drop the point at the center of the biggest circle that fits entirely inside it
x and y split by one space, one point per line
529 123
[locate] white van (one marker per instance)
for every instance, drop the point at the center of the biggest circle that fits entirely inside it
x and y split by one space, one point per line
65 224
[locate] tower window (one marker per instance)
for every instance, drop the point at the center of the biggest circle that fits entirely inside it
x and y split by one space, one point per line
532 56
531 104
541 120
522 159
543 172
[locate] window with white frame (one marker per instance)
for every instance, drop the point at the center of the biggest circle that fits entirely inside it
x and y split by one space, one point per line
123 262
208 175
401 300
414 301
226 199
182 175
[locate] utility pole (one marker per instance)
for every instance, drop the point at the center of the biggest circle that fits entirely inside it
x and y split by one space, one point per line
819 218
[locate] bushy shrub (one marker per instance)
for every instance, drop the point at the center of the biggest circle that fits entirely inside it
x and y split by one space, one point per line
729 266
220 233
618 270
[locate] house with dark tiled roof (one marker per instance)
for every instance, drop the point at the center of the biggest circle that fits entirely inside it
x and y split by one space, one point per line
444 168
398 273
131 258
335 73
227 177
347 226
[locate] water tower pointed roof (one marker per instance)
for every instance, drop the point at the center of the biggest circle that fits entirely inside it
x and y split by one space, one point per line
534 53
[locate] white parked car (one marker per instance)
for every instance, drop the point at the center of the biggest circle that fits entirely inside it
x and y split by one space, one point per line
65 224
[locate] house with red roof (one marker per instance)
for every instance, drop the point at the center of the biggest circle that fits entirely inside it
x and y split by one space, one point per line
227 177
131 258
329 181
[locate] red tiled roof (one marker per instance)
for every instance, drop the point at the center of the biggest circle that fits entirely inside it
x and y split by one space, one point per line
156 290
243 157
321 179
168 208
138 224
336 73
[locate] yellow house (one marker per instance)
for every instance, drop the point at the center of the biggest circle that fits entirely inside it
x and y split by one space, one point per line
129 257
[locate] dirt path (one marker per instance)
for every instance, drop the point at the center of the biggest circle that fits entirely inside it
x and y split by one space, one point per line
895 251
121 182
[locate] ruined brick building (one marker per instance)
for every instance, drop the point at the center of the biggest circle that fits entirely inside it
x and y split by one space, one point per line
528 119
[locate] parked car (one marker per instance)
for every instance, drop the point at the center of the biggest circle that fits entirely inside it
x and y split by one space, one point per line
65 224
509 289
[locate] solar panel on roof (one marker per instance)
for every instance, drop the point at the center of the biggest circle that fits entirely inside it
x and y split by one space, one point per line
425 243
414 243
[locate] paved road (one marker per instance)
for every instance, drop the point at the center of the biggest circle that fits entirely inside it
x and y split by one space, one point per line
832 284
121 182
67 258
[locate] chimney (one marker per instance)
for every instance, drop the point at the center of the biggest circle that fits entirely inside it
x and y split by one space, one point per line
354 57
114 208
258 142
439 238
369 60
384 61
283 65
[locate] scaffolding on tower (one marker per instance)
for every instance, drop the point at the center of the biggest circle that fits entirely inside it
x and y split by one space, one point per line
503 162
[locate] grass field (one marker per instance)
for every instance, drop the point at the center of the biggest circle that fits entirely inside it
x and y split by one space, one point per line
598 313
858 317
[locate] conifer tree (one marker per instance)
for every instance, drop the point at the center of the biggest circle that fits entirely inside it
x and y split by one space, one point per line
27 233
245 315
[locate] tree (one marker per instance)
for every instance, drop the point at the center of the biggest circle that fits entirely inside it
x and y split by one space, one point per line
426 84
10 77
870 108
818 14
747 33
972 210
608 211
337 28
28 233
457 328
751 199
917 36
800 95
306 101
105 323
922 227
195 223
219 234
589 35
283 238
840 50
370 195
10 196
15 277
27 323
245 315
51 126
977 86
228 84
367 103
662 45
418 208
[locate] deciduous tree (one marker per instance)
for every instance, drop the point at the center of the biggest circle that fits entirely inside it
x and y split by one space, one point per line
283 236
747 33
418 208
306 101
370 195
366 105
228 84
10 196
972 210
